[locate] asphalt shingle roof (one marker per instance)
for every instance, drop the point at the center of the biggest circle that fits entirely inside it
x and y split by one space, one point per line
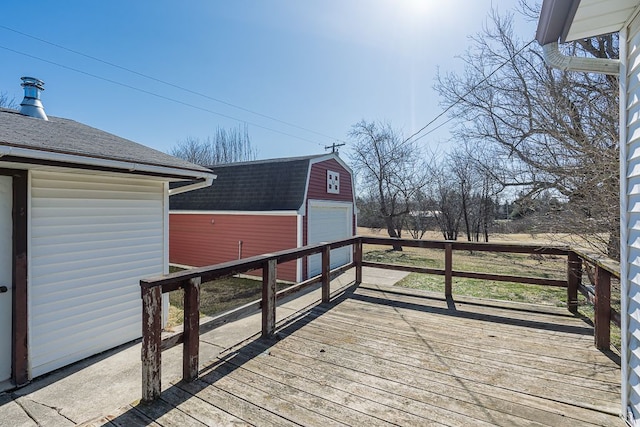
265 185
64 136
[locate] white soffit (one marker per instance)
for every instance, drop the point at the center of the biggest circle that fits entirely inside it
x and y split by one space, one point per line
595 17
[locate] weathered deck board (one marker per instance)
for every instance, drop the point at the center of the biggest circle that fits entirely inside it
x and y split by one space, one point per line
238 406
389 356
383 393
200 409
448 342
451 362
604 379
296 389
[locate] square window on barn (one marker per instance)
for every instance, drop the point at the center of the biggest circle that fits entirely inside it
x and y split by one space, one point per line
333 184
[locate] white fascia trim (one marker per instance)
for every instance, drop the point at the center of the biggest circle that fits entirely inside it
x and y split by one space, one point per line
92 161
556 59
303 209
201 184
264 213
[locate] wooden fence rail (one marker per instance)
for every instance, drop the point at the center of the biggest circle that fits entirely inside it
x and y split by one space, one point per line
190 280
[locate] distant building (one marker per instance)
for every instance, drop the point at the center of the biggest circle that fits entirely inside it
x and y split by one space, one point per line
266 206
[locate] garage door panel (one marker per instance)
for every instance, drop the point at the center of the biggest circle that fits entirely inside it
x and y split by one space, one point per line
326 222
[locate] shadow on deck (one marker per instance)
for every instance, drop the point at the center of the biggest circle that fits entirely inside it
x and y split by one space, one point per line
388 356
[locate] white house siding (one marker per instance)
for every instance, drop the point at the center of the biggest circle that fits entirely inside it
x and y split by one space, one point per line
631 214
92 238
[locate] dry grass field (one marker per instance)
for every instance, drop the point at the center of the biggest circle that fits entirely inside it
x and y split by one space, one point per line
540 238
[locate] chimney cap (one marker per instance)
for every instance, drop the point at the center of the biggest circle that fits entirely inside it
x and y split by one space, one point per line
32 81
31 105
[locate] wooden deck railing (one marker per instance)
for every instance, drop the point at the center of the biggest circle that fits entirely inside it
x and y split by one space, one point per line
189 281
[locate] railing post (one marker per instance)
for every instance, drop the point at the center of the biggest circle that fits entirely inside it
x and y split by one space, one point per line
602 305
358 260
151 342
574 278
448 269
269 298
191 334
326 268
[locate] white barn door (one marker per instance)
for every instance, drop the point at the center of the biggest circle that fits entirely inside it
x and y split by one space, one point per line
6 278
327 221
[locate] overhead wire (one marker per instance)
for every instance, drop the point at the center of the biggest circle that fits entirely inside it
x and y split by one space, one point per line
461 97
157 95
146 76
164 82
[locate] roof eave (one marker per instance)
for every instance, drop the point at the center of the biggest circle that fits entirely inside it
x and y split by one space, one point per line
555 20
84 162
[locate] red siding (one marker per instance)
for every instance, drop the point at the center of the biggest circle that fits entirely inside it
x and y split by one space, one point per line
197 241
318 182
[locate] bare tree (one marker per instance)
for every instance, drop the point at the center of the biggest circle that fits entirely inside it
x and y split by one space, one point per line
420 217
389 171
447 204
7 101
541 129
225 147
478 190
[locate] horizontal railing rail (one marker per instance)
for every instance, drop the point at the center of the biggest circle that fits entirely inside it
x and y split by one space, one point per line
450 246
189 281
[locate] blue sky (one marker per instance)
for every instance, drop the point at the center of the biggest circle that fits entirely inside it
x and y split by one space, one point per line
321 65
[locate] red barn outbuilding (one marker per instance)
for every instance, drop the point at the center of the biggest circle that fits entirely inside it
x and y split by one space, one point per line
265 206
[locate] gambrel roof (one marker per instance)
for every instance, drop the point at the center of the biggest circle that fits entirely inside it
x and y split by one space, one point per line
263 185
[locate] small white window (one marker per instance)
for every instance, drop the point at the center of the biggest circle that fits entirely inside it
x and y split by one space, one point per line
333 182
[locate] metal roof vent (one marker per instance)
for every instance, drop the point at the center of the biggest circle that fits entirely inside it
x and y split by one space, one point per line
31 105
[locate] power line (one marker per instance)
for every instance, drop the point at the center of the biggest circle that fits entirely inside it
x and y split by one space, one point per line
164 82
465 94
434 129
156 94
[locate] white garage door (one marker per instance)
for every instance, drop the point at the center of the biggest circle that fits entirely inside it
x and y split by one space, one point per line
328 221
92 239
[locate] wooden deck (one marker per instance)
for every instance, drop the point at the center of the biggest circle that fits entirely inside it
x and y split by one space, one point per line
391 356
